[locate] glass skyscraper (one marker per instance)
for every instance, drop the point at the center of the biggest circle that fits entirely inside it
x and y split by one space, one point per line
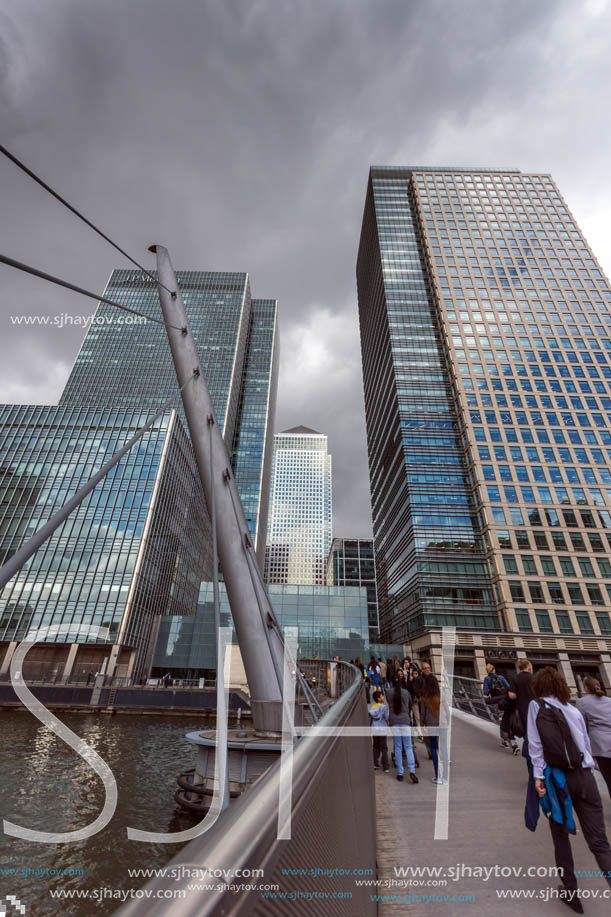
300 514
351 563
486 346
138 547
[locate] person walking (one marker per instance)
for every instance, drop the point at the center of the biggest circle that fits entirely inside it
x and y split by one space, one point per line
378 718
520 690
496 694
495 685
419 679
595 707
374 673
400 704
429 717
562 763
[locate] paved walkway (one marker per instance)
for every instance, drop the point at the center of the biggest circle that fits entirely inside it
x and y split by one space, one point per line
486 828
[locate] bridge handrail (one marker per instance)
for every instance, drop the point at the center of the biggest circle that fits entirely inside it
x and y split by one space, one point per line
245 836
468 694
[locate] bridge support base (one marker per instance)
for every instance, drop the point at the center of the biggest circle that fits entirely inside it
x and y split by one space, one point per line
248 756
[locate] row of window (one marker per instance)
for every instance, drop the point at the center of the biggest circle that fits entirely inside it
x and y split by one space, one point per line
548 565
556 593
544 624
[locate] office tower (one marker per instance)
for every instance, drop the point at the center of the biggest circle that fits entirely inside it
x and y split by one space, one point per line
351 563
486 354
253 442
300 515
139 546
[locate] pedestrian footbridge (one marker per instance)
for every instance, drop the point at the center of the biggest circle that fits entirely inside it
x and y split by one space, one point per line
485 828
362 843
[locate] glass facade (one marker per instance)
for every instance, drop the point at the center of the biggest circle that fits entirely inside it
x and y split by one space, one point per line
253 441
300 513
351 563
332 621
133 549
139 546
126 362
486 340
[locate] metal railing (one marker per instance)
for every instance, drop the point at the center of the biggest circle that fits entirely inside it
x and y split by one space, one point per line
117 681
467 695
333 824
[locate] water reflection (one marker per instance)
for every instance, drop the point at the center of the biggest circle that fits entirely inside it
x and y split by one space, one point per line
47 786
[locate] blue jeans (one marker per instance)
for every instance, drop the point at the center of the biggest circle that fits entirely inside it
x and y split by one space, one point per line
434 740
403 742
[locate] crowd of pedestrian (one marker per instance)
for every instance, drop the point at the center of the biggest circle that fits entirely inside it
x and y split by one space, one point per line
405 701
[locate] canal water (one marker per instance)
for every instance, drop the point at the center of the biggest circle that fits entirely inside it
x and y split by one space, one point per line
46 786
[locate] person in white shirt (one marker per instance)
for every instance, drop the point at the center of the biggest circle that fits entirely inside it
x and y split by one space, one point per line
549 686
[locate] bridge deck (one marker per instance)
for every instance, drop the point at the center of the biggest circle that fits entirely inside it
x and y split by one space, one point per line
486 828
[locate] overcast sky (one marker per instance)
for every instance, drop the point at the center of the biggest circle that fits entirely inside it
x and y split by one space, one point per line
240 134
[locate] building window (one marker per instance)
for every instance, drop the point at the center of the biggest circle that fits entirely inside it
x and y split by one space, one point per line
585 566
522 539
536 593
510 563
564 622
583 623
529 565
575 594
566 565
604 622
555 591
543 622
541 541
523 619
596 596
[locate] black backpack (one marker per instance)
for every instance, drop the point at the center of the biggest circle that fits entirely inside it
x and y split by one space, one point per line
559 747
497 693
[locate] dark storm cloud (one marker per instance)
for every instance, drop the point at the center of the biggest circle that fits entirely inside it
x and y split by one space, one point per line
240 135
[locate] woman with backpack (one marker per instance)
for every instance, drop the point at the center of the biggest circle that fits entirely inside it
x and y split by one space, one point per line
496 694
400 704
562 761
595 707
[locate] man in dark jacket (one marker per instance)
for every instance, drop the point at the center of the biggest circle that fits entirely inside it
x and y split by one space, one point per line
520 689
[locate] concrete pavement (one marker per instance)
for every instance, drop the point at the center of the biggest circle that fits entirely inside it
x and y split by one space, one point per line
486 829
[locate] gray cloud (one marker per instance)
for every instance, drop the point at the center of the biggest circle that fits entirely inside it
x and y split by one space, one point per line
240 135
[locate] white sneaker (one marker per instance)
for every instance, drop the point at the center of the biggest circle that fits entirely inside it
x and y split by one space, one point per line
437 780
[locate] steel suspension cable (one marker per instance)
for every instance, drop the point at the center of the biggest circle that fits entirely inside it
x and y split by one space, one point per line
28 269
77 213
